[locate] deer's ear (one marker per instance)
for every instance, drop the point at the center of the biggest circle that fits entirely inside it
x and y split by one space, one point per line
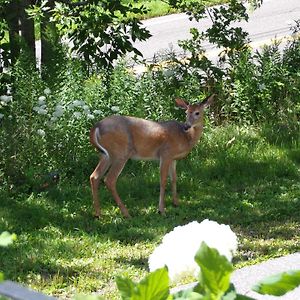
208 100
181 103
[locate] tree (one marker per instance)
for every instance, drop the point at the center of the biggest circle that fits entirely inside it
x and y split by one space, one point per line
100 31
97 31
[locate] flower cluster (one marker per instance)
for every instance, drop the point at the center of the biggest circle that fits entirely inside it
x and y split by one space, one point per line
178 248
4 101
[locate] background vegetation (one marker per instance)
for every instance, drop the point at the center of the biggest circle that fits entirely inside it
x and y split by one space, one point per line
244 172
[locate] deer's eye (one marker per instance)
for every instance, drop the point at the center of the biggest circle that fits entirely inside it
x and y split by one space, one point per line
197 113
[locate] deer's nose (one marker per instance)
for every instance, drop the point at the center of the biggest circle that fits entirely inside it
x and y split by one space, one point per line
187 126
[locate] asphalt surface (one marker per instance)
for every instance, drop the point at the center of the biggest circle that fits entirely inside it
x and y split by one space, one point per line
246 277
273 19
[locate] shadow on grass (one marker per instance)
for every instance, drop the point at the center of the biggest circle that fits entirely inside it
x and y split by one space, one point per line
251 184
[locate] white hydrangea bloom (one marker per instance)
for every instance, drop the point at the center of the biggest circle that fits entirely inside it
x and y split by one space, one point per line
1 116
59 111
76 103
47 91
42 111
178 248
115 108
41 132
5 99
77 114
90 116
97 112
86 107
41 100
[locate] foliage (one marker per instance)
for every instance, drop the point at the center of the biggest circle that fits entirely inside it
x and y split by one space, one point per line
213 282
186 239
244 176
100 31
5 240
280 284
154 286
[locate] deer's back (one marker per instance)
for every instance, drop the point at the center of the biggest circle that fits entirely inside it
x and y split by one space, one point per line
137 138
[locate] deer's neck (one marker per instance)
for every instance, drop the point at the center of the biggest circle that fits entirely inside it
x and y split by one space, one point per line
194 134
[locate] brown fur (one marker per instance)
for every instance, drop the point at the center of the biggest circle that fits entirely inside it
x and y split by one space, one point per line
120 138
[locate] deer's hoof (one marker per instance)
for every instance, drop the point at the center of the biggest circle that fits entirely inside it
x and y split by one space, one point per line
162 212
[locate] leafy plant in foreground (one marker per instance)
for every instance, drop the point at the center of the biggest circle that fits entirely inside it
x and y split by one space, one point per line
5 240
213 282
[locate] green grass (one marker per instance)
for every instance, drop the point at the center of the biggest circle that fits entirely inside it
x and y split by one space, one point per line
157 8
251 183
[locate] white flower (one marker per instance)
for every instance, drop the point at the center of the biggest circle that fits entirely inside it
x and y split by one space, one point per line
77 115
261 86
86 107
90 116
1 116
47 91
41 100
97 112
42 111
178 247
115 108
78 103
5 99
41 132
53 119
58 113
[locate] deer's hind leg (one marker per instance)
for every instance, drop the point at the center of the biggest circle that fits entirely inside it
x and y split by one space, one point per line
95 178
111 181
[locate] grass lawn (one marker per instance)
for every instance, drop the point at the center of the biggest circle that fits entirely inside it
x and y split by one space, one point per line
158 8
245 177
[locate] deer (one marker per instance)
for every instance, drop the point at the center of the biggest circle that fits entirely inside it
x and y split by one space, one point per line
120 138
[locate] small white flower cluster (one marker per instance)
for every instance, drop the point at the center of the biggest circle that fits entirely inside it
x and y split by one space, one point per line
115 109
179 247
4 101
84 110
41 107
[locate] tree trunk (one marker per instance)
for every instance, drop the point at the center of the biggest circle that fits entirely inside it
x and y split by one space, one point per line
12 18
47 34
27 27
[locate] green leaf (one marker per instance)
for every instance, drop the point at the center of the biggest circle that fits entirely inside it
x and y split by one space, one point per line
154 286
126 287
231 294
1 276
6 238
215 270
279 284
188 294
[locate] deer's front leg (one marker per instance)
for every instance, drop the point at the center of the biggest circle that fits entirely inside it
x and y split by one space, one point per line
164 169
173 176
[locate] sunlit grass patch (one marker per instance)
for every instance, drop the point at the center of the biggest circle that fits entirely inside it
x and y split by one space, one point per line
239 176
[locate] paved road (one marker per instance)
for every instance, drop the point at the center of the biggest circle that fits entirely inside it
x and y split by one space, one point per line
272 19
245 278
